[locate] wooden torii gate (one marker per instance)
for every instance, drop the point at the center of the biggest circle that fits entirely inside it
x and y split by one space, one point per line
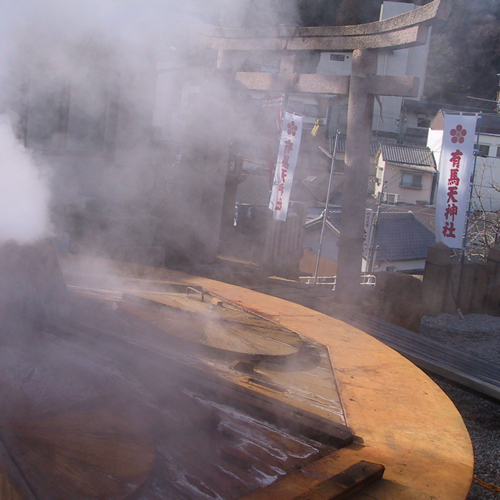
402 31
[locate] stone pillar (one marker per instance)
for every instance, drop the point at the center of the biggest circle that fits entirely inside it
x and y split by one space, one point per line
437 276
493 267
357 159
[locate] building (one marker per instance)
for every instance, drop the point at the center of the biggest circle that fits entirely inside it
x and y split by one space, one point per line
486 192
399 242
405 175
408 62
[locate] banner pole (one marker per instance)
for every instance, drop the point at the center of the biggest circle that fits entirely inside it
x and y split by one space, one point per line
472 180
325 213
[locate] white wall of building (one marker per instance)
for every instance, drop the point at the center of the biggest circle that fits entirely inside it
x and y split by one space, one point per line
408 62
335 63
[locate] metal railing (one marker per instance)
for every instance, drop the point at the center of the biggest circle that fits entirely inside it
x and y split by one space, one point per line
366 279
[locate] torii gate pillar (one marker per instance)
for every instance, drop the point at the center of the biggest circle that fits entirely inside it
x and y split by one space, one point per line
356 173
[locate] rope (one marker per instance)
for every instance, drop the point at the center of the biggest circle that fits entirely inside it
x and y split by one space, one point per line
489 486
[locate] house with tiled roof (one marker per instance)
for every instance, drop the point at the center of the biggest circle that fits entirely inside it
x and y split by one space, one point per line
405 174
399 242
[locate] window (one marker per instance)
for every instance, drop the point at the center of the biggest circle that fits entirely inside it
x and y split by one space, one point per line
411 181
338 57
484 150
498 151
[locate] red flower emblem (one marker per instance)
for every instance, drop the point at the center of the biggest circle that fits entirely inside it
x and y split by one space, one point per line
458 134
292 128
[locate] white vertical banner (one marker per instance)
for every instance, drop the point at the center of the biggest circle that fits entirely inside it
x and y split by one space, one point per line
367 231
367 238
285 165
457 162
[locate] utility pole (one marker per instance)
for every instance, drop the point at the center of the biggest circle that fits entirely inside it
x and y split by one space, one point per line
327 202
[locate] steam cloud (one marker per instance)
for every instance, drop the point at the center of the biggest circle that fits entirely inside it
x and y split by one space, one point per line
114 62
24 194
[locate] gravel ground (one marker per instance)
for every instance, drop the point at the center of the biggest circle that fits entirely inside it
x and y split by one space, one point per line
478 334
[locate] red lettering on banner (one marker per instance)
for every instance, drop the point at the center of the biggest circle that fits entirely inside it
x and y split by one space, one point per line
453 180
451 211
449 230
288 146
452 208
452 192
456 157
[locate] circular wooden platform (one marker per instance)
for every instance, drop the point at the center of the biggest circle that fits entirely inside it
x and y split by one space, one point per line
400 417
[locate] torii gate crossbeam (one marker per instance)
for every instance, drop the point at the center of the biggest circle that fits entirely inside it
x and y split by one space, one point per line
402 31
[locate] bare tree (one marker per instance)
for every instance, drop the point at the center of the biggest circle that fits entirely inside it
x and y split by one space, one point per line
484 223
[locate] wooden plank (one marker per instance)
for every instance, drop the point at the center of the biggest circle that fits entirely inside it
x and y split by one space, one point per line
81 455
307 484
13 485
9 489
346 483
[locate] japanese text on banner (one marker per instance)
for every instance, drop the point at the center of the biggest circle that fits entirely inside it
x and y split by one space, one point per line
285 165
457 161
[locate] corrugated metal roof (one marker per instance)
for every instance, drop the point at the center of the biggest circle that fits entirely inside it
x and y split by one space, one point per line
421 158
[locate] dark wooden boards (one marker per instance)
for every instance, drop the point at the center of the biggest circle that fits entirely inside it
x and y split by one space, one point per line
346 483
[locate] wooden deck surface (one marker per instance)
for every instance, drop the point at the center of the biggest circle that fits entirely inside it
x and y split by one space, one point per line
400 418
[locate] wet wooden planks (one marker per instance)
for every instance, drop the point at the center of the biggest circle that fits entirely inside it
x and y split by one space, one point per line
311 487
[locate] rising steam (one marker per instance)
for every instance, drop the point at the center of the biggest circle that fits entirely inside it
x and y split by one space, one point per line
24 194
